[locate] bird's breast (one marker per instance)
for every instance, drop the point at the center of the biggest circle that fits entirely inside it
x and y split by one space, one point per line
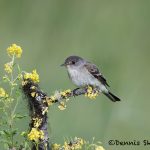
81 77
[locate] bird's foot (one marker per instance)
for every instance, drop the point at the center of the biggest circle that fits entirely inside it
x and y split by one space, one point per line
75 91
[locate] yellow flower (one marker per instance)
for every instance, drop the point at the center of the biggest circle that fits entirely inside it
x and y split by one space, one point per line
91 93
66 146
3 94
33 76
75 144
78 143
8 67
55 146
14 50
99 148
80 140
35 134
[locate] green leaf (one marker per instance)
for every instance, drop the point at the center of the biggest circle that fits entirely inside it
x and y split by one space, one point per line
10 133
2 133
13 132
7 133
18 116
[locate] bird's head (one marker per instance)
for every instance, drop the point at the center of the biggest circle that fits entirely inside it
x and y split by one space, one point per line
73 61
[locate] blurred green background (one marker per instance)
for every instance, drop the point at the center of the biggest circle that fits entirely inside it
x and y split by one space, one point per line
115 35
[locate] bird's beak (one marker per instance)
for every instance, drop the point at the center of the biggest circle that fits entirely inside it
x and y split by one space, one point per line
62 65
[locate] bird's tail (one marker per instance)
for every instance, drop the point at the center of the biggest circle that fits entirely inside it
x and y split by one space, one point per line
112 97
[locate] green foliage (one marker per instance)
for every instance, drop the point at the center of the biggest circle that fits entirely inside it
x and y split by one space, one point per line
9 100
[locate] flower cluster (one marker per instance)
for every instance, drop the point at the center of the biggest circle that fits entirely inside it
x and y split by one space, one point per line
78 144
74 144
8 67
56 146
33 76
3 93
14 50
35 134
91 93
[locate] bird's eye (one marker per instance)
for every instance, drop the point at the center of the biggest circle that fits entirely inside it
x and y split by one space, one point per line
73 62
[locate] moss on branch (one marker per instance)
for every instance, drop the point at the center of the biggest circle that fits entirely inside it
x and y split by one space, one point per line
39 102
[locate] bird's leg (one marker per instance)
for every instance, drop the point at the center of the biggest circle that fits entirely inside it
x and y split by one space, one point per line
75 91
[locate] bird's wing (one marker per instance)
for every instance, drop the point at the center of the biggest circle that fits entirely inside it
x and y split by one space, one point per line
96 73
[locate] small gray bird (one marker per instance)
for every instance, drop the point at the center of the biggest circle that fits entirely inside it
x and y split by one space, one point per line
84 73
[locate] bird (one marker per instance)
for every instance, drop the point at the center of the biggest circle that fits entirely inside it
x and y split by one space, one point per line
84 73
